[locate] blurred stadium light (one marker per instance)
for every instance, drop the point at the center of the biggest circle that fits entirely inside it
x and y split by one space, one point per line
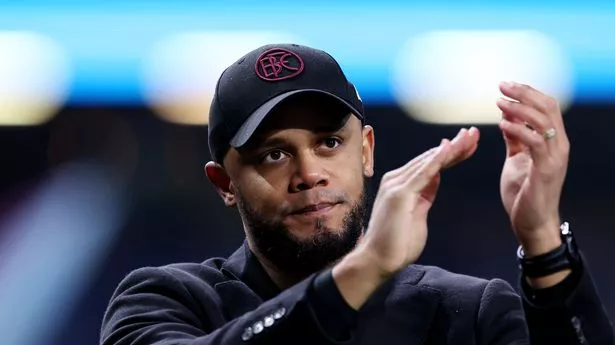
34 78
51 247
452 77
109 42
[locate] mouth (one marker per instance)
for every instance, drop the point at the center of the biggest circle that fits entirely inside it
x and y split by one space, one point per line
315 210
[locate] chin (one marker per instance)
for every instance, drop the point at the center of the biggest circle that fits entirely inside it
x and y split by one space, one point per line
307 230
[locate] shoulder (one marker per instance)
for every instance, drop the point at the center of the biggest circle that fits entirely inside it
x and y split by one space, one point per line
162 294
442 279
490 305
175 276
180 286
461 285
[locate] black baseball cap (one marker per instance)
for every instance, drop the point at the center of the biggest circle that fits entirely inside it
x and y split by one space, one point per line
254 85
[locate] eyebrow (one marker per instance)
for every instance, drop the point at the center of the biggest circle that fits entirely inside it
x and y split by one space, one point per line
263 141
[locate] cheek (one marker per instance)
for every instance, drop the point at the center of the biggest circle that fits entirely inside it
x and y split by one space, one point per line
350 175
260 194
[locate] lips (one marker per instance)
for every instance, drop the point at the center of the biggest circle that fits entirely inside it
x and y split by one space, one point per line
314 207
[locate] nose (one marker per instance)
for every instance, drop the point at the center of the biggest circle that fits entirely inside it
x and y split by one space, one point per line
309 173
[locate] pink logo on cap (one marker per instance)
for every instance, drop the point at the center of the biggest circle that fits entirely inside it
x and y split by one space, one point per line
278 64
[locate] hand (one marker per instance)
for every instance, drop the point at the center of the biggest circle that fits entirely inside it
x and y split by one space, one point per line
535 167
397 230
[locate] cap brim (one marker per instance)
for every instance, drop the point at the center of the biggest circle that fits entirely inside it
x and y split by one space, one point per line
249 127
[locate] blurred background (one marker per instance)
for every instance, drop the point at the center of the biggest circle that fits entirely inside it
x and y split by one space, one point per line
103 136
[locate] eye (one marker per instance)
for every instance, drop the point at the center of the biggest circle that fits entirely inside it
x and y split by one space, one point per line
332 142
274 156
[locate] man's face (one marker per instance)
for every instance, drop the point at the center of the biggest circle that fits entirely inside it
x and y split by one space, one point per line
299 183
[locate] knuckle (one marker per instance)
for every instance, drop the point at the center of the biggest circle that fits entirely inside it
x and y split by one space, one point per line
420 173
522 89
537 141
395 193
388 184
387 176
553 167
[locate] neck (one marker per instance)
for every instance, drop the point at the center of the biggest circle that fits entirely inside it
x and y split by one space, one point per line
280 279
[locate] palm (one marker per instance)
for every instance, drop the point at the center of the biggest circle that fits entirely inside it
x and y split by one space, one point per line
513 183
521 192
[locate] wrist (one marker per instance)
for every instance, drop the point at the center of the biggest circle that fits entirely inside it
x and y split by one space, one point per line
357 278
541 244
544 268
542 240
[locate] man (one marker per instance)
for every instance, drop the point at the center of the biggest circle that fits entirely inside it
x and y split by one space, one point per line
292 151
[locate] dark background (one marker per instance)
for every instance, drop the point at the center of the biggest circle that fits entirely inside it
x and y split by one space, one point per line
172 214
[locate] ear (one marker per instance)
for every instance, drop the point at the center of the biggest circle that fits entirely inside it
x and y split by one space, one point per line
368 150
221 181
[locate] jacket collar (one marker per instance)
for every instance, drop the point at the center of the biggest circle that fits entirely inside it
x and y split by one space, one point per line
244 266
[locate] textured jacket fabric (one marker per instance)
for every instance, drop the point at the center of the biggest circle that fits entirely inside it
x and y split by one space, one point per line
233 301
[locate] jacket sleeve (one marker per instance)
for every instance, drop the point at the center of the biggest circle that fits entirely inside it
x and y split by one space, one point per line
557 315
500 319
153 307
562 315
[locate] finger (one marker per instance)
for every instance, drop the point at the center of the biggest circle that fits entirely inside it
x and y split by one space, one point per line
536 99
534 142
409 167
523 113
527 95
409 173
463 147
423 176
471 143
513 146
412 164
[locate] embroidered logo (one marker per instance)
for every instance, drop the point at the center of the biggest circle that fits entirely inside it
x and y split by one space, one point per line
278 64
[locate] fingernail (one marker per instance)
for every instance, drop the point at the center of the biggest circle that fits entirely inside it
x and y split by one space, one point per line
508 83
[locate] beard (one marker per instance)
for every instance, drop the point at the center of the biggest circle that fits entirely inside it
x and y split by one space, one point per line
297 257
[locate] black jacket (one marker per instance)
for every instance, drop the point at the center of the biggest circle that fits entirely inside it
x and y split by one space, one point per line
235 302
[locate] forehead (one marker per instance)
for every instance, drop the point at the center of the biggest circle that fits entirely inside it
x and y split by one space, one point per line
314 113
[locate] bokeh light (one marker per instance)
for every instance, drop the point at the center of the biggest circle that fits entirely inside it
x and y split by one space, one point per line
452 77
34 78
